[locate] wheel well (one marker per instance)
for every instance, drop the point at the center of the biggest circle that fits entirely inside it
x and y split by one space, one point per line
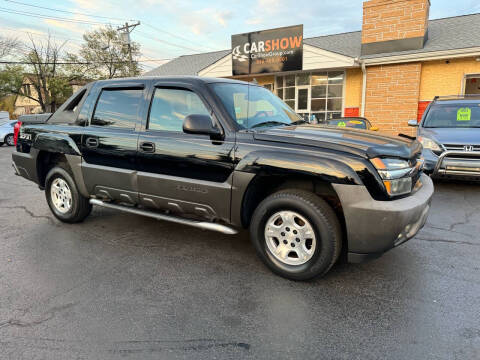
45 162
263 186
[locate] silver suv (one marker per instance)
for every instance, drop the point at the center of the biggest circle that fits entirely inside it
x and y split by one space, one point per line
450 135
6 132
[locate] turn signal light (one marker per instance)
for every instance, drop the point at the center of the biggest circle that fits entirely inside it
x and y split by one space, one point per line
395 174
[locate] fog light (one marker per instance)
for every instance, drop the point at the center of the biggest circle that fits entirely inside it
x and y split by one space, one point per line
398 186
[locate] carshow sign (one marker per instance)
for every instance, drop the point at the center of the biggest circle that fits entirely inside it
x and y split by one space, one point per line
268 51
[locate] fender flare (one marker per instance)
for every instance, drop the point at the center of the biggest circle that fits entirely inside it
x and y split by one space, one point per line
287 163
56 143
63 144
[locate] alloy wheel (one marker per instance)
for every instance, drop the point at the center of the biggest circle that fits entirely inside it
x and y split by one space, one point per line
290 237
61 195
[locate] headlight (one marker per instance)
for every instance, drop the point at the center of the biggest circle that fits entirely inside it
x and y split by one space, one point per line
429 143
396 175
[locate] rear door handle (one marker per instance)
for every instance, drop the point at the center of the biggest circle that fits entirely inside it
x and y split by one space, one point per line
92 142
147 147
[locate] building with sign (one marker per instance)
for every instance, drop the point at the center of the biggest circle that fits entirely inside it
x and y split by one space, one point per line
388 72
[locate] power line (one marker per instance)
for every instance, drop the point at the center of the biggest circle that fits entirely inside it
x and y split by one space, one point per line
88 22
75 40
77 62
107 18
51 17
39 34
168 43
177 36
156 60
64 11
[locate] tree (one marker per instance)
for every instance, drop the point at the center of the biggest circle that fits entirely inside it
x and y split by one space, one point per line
8 104
51 85
105 55
7 46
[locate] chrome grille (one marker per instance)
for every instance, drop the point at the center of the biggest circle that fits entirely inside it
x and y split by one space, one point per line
456 147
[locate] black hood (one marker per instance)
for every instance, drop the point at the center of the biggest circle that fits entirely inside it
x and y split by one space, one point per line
360 142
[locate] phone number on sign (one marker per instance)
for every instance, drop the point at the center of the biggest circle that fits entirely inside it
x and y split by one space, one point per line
274 60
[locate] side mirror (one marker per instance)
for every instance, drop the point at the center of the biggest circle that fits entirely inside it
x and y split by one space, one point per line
200 124
413 123
374 128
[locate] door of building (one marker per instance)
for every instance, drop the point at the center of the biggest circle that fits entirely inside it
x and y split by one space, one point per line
302 101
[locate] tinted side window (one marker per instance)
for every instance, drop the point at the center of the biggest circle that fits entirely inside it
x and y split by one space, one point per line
117 108
171 106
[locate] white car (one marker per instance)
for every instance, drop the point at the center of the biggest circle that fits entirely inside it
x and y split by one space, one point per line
6 132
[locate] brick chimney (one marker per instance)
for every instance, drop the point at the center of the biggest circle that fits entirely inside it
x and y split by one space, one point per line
394 25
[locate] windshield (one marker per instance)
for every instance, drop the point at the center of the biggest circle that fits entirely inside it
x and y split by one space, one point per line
453 116
253 106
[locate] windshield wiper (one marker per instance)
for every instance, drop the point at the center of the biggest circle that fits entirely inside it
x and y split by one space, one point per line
298 122
266 123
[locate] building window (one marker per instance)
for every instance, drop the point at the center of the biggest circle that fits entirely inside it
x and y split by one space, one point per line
317 96
472 85
26 90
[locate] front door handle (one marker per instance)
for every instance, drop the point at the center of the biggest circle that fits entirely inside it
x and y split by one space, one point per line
92 142
147 147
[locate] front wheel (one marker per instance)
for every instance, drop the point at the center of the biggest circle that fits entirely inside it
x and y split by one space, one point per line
9 140
296 234
63 197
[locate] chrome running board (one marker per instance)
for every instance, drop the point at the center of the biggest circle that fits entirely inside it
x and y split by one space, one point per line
199 224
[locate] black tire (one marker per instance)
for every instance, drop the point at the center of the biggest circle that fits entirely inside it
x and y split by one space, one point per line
9 140
321 217
80 207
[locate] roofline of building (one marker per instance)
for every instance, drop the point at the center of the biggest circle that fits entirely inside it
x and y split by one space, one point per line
388 59
424 56
326 35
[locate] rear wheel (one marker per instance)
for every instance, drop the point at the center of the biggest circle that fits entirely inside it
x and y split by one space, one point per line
296 234
9 140
63 197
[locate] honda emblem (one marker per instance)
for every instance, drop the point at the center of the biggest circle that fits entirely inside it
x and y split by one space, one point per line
468 148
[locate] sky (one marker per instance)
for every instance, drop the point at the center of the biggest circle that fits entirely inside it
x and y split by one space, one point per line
170 28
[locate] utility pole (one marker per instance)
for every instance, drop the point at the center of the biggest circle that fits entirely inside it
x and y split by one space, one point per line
126 30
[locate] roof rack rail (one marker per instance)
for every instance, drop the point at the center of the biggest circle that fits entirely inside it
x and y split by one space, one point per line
457 97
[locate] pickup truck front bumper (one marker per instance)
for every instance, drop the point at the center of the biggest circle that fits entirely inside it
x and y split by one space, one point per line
373 227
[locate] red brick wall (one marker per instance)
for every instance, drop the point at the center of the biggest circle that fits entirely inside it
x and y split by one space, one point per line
422 105
352 112
392 96
394 19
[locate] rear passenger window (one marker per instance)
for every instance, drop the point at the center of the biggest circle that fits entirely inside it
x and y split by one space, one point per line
171 106
117 108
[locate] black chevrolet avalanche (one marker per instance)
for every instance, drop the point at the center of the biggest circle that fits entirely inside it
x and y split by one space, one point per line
222 155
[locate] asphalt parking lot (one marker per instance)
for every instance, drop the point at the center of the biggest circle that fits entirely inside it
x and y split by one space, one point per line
124 286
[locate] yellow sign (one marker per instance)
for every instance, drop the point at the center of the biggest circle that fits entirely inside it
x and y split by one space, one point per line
464 114
342 124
